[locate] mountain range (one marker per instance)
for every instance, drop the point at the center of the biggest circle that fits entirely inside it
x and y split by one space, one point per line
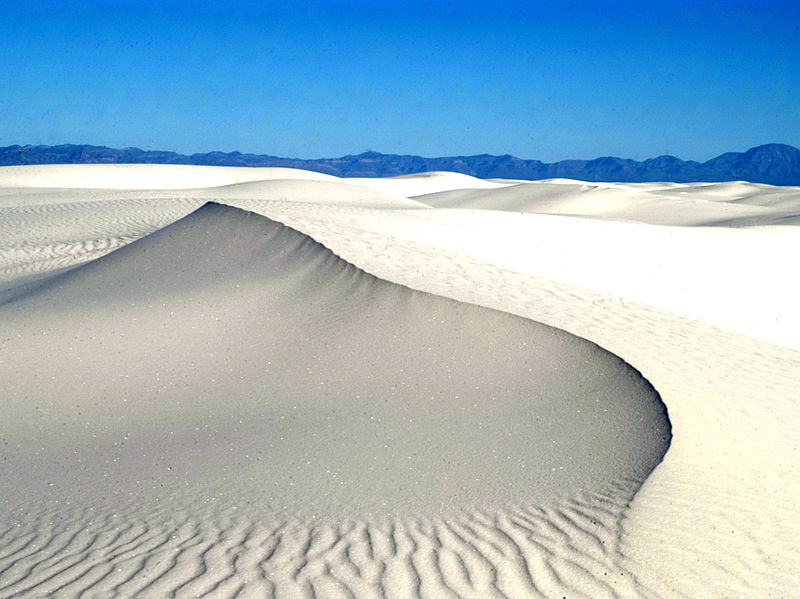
776 164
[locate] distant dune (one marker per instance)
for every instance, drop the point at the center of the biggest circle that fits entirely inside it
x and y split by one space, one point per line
234 382
706 204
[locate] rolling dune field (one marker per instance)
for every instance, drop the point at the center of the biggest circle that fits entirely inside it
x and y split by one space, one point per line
234 382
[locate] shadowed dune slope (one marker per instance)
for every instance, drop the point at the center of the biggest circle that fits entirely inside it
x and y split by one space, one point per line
230 357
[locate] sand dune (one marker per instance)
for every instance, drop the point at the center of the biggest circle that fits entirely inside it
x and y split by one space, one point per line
143 176
222 406
282 327
741 204
339 193
423 183
50 229
250 362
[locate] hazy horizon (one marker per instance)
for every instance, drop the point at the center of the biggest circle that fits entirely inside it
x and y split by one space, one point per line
426 157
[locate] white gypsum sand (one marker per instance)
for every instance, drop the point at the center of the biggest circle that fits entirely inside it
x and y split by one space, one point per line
226 407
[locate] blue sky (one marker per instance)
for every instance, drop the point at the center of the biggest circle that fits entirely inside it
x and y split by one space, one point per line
548 80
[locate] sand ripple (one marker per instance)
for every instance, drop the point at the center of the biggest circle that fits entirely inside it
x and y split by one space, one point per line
134 550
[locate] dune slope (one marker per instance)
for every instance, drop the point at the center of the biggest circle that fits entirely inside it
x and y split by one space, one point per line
228 388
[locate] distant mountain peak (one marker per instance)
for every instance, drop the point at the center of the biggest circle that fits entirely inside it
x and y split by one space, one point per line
775 152
774 163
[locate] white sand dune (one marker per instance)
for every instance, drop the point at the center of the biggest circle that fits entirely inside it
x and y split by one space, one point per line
294 331
49 229
143 176
274 188
339 193
425 183
739 204
227 408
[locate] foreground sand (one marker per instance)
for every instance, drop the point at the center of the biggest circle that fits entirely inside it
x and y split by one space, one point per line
226 407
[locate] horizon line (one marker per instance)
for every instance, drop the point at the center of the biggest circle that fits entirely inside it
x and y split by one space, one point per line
370 151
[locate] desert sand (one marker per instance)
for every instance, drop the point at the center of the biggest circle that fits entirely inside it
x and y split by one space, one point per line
233 382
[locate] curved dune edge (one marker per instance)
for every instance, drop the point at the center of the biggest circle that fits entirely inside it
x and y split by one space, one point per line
717 517
109 538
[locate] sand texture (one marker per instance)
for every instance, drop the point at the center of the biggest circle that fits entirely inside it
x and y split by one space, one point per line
232 382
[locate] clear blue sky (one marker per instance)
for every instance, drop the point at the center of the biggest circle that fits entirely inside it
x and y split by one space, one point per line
548 80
